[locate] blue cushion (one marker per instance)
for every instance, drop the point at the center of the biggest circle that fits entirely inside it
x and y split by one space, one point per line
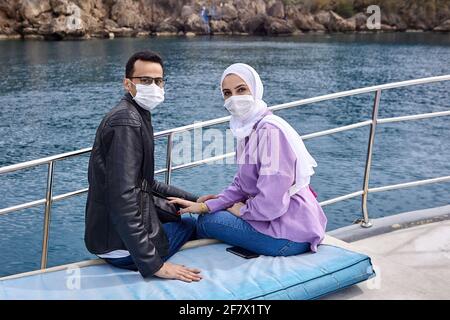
225 276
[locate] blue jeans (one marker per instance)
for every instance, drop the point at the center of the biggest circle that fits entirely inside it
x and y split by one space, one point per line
235 231
178 233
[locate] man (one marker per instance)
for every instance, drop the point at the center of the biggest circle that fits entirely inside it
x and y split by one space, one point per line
122 224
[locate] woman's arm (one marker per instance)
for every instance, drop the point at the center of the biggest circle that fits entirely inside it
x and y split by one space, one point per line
225 200
189 206
228 197
275 177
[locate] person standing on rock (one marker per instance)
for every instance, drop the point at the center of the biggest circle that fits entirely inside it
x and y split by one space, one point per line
122 222
206 18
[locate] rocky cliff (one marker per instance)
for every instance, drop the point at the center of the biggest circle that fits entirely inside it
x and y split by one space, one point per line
84 19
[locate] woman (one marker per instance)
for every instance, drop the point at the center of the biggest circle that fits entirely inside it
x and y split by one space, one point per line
269 208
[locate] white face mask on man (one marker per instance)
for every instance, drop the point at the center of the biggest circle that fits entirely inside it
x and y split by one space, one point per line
148 97
240 106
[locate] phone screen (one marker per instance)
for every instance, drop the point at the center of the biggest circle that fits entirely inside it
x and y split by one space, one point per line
241 252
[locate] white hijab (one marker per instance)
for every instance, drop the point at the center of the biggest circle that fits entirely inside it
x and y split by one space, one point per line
305 163
242 129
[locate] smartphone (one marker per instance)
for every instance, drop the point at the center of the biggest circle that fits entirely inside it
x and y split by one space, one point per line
241 252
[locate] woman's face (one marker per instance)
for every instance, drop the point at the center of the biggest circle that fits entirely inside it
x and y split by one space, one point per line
233 85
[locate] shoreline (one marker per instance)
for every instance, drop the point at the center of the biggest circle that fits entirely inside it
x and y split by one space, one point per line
146 34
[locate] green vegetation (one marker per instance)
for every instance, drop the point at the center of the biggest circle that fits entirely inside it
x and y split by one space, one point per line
345 8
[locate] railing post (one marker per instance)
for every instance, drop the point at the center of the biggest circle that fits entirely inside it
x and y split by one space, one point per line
48 209
169 158
366 223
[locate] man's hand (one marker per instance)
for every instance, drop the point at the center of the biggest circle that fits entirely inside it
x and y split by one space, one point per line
236 209
178 272
189 206
207 197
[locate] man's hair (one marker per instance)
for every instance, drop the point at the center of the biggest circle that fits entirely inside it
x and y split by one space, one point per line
149 56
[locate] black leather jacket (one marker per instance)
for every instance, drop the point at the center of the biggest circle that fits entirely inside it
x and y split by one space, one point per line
120 213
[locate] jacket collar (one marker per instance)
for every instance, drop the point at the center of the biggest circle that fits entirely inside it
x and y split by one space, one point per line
129 98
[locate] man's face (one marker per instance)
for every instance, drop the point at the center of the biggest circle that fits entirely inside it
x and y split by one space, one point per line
143 69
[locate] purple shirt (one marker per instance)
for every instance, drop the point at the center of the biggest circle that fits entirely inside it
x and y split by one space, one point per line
268 206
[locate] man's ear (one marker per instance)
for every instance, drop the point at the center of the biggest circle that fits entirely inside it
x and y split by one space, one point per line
126 84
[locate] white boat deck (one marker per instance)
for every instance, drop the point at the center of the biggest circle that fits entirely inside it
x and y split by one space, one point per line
411 263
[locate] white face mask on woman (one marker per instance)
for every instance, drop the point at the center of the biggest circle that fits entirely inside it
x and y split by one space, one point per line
149 97
240 106
244 111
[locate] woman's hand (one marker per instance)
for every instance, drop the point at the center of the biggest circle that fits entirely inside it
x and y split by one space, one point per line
207 197
178 272
236 209
189 206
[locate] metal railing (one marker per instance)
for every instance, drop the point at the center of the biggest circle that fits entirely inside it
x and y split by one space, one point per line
169 134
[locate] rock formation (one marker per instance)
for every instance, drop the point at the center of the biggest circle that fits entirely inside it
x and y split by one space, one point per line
84 19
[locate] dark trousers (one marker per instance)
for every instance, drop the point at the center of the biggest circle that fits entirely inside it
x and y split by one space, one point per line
178 234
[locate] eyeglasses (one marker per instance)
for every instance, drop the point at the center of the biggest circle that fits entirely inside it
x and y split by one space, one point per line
160 82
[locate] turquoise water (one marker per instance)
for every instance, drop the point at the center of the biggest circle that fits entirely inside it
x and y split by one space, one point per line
54 94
